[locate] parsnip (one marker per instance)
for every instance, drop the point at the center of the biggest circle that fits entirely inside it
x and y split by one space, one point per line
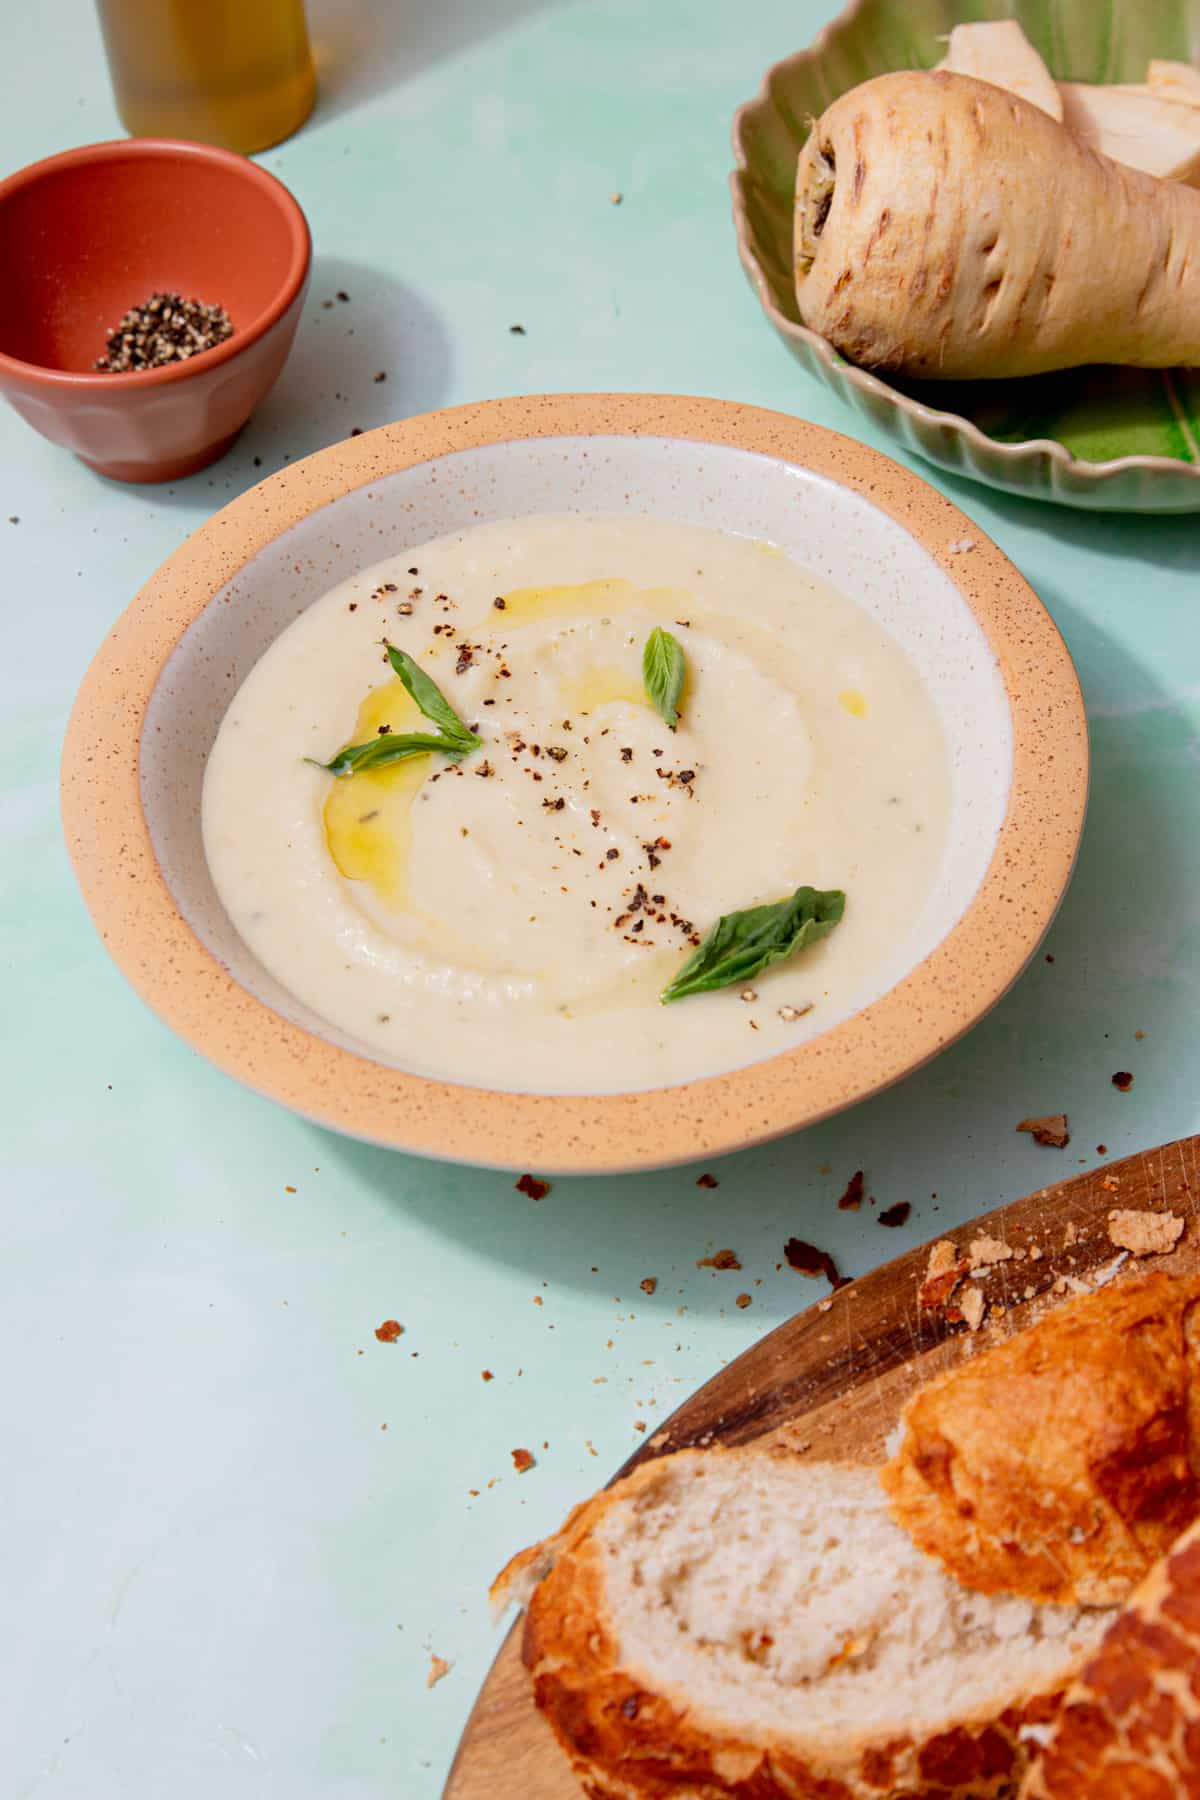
1153 126
949 229
1001 53
1136 126
1174 81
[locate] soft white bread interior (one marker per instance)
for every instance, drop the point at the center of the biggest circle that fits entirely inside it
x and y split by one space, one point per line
743 1622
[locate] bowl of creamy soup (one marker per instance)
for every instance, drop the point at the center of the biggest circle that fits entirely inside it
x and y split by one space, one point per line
580 783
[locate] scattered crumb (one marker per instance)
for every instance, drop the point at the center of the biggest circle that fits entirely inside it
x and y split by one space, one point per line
389 1331
896 1214
1144 1233
789 1014
972 1305
439 1668
639 1424
533 1186
616 199
1122 1081
1101 1149
943 1273
486 1375
707 1181
1139 1035
749 995
517 330
806 1259
648 1284
381 375
742 1300
984 1251
1050 1128
723 1259
852 1199
522 1461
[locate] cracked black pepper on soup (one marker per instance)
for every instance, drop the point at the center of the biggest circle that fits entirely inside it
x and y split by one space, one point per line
552 756
164 329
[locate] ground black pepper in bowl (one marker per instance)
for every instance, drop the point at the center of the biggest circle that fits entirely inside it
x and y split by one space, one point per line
164 329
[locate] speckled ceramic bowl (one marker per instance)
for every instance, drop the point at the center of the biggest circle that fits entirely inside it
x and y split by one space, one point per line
1124 439
151 703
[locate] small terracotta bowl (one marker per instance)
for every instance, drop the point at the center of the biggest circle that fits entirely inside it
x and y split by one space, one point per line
994 665
88 234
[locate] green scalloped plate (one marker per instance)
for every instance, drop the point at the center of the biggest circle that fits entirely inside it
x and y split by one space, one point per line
1111 439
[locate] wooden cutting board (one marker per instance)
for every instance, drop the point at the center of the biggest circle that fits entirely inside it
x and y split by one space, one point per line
831 1383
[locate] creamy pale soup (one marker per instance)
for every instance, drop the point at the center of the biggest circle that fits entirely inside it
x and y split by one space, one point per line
512 918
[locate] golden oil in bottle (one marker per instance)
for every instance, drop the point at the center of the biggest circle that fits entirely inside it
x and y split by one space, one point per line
237 73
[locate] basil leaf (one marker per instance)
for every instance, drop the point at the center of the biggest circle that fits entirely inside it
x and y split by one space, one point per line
662 673
430 698
392 747
741 944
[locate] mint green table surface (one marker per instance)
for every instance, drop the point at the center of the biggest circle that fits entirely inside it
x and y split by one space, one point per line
233 1525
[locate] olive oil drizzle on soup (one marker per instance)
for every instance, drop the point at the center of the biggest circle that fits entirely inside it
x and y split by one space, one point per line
511 918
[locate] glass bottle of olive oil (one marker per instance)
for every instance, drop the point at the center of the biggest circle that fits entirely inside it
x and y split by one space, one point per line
238 73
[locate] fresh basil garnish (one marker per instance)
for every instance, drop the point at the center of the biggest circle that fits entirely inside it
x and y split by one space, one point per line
430 698
663 670
741 944
455 739
392 747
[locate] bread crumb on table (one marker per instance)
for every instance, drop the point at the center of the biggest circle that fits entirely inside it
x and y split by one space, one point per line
852 1198
522 1461
439 1668
721 1259
1049 1128
1144 1233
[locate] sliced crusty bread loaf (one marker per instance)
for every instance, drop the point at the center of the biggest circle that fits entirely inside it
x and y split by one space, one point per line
742 1623
1062 1464
1129 1728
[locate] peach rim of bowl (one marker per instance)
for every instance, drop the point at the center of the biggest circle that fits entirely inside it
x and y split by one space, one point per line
149 149
972 967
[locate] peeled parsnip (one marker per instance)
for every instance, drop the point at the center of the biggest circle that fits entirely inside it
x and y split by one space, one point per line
1136 125
948 229
1174 81
999 52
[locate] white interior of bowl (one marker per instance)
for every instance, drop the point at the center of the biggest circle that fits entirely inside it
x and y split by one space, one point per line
828 528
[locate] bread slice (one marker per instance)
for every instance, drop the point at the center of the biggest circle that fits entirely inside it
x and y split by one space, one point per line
744 1623
1062 1464
1130 1726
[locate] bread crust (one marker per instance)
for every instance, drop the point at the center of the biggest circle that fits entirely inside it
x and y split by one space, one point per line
1130 1726
1062 1464
628 1740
